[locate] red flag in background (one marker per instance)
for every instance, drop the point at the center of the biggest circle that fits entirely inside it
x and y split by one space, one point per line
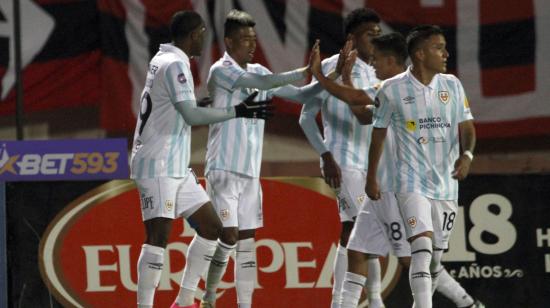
95 53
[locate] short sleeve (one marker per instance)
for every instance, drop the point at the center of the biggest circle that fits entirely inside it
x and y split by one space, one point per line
464 112
179 82
383 111
227 74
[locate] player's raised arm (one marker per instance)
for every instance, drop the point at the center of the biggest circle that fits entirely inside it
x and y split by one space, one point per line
194 115
346 93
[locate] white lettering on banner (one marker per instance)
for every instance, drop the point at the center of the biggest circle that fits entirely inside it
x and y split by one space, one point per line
286 254
29 164
94 268
32 164
293 265
277 253
485 220
475 271
325 278
541 237
547 263
125 267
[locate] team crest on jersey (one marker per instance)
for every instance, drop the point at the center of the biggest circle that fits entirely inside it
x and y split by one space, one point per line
224 214
412 221
444 96
181 78
169 205
227 63
410 125
361 198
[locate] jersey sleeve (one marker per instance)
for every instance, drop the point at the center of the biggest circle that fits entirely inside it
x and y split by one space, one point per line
179 82
227 74
464 112
383 111
371 92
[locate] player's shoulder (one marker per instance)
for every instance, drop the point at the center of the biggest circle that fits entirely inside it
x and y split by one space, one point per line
449 77
394 81
330 61
258 68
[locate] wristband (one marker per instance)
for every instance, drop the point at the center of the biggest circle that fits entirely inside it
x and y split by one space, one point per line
469 154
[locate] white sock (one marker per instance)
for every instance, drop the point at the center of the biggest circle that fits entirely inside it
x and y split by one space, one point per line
351 290
217 269
452 290
419 272
199 254
339 270
149 268
374 283
245 272
436 267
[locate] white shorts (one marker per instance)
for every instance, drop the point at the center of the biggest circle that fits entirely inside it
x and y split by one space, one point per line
236 198
379 228
170 197
351 194
421 214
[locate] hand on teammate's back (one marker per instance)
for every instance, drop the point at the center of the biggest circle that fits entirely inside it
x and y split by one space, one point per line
255 110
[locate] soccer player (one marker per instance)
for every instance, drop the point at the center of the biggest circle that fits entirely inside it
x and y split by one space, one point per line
343 150
234 153
426 110
379 227
160 159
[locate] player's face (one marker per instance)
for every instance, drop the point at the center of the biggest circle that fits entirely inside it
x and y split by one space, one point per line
382 64
198 36
243 45
435 54
362 37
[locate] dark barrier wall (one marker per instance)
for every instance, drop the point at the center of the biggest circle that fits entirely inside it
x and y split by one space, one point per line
499 252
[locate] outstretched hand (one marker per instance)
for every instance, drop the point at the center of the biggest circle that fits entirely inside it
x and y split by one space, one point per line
315 60
342 57
347 68
255 110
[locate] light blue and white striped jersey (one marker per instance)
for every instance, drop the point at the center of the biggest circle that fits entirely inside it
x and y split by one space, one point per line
344 136
386 166
425 120
234 145
162 139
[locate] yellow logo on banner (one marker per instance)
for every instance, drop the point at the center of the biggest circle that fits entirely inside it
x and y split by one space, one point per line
411 125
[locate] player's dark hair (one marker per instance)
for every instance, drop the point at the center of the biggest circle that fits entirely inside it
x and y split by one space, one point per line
183 23
419 35
235 20
393 44
357 17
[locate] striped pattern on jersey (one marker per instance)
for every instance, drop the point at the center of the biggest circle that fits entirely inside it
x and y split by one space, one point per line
386 165
425 122
162 139
234 145
344 136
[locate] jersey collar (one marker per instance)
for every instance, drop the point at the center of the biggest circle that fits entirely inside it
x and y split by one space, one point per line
227 57
173 49
419 85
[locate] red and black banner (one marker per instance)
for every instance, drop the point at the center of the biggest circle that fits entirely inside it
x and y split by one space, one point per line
94 53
